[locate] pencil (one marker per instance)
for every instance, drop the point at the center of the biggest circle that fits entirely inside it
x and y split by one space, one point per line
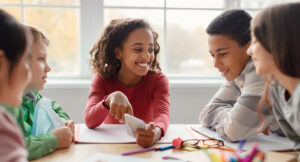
138 151
226 149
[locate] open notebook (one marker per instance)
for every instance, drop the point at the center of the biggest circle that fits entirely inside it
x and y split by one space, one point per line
272 142
116 133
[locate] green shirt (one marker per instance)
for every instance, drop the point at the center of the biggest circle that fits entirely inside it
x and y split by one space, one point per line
38 146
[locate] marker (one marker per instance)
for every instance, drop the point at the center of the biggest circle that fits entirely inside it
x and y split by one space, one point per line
164 148
148 149
254 151
138 151
170 158
241 144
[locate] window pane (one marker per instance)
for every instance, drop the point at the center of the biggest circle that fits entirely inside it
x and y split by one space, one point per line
253 13
53 2
135 3
62 28
195 3
153 16
11 1
187 46
258 3
14 11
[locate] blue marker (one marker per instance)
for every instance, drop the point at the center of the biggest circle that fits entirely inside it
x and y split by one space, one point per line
241 144
164 148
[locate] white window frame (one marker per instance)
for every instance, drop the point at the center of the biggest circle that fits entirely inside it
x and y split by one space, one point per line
91 25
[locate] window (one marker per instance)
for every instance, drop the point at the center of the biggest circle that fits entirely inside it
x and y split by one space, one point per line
73 27
60 20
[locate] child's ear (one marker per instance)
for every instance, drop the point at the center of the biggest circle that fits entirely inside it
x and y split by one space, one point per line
117 52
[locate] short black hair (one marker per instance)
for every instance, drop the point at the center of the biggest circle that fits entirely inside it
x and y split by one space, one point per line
234 24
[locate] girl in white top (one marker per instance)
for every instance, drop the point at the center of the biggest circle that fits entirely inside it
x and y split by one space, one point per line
14 76
275 50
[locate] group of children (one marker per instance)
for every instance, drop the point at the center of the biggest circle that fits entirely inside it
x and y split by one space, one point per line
257 57
252 54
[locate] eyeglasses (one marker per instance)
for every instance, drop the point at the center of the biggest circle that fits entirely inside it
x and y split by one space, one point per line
201 144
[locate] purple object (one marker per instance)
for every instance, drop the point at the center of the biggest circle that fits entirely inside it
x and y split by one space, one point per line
254 151
139 151
148 149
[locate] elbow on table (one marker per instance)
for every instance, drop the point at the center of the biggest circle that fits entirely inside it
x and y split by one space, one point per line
90 124
235 135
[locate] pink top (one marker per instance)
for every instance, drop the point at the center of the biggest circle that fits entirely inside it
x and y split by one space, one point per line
149 100
12 148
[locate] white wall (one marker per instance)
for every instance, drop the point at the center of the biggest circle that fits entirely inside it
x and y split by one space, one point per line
186 101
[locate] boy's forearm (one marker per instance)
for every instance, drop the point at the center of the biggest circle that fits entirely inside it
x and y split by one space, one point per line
39 146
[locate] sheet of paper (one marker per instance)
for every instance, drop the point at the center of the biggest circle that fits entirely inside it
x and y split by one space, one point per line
116 133
191 156
272 142
117 158
106 133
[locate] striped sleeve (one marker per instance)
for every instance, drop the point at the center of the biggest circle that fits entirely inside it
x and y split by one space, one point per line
232 111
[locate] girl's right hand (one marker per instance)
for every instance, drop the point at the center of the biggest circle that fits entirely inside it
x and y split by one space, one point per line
64 137
118 105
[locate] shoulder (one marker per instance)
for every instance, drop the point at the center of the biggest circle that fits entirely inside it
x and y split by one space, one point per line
97 79
250 73
100 83
156 80
5 119
157 76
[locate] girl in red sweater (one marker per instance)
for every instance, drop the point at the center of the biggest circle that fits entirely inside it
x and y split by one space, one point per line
128 80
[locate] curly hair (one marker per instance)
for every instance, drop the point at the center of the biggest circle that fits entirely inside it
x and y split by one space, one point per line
103 58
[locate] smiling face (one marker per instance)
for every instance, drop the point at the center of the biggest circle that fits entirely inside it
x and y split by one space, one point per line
39 66
228 57
137 53
263 60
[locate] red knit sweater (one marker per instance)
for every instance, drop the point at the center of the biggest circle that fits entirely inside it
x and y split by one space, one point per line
149 100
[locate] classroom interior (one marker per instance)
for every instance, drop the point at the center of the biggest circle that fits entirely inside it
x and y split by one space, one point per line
184 55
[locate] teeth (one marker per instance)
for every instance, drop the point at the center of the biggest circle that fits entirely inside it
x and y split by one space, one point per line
142 64
223 73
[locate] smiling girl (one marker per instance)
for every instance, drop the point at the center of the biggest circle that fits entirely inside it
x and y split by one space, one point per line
128 80
275 51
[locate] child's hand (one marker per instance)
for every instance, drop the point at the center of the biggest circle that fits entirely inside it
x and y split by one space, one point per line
148 137
64 137
71 125
118 105
266 131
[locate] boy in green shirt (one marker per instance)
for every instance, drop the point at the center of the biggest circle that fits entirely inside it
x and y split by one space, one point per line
41 145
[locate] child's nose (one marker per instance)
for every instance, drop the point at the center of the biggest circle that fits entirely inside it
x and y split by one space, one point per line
146 55
217 62
48 68
249 50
